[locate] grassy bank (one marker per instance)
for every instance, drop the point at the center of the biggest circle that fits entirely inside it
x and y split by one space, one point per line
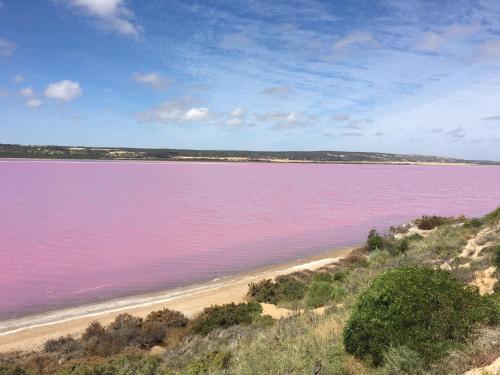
420 299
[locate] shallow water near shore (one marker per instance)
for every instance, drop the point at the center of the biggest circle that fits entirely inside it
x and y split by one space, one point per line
79 232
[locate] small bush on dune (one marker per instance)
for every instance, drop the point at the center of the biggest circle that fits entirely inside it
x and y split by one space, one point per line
431 222
323 277
493 216
225 316
94 329
473 223
321 293
168 318
429 311
289 289
64 345
375 240
285 288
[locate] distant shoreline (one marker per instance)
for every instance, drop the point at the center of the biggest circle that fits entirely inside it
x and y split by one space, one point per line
249 161
30 332
54 152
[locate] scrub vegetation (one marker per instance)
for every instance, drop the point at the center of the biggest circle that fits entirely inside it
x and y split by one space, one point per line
420 299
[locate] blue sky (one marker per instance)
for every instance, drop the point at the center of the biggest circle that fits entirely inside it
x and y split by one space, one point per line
392 76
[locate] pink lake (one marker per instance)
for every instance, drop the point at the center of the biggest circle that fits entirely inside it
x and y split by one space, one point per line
78 232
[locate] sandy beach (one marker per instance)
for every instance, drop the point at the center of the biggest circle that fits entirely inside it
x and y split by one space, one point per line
30 332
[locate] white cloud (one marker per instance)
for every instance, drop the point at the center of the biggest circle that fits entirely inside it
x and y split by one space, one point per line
286 120
238 112
196 114
7 48
18 79
237 117
27 92
153 80
63 90
34 103
176 111
357 37
112 14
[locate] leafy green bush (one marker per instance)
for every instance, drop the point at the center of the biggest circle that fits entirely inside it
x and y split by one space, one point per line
493 216
323 277
473 223
321 293
285 288
426 310
225 316
431 222
375 240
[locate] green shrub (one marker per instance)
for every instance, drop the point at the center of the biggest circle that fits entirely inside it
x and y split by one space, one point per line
493 216
323 277
473 223
285 288
168 318
374 241
398 361
225 316
431 222
289 288
426 310
321 293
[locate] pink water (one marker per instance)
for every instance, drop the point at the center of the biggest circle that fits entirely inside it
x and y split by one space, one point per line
76 232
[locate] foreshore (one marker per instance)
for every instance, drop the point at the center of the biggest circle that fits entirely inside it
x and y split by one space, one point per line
30 332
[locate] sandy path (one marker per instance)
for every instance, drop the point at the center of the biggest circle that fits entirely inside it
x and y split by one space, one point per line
29 333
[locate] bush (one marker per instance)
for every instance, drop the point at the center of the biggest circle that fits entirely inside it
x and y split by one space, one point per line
285 288
426 310
321 293
431 222
493 216
374 241
225 316
94 329
473 223
323 277
62 345
168 318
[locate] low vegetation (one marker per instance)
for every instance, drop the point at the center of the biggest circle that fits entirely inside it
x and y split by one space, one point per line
406 303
